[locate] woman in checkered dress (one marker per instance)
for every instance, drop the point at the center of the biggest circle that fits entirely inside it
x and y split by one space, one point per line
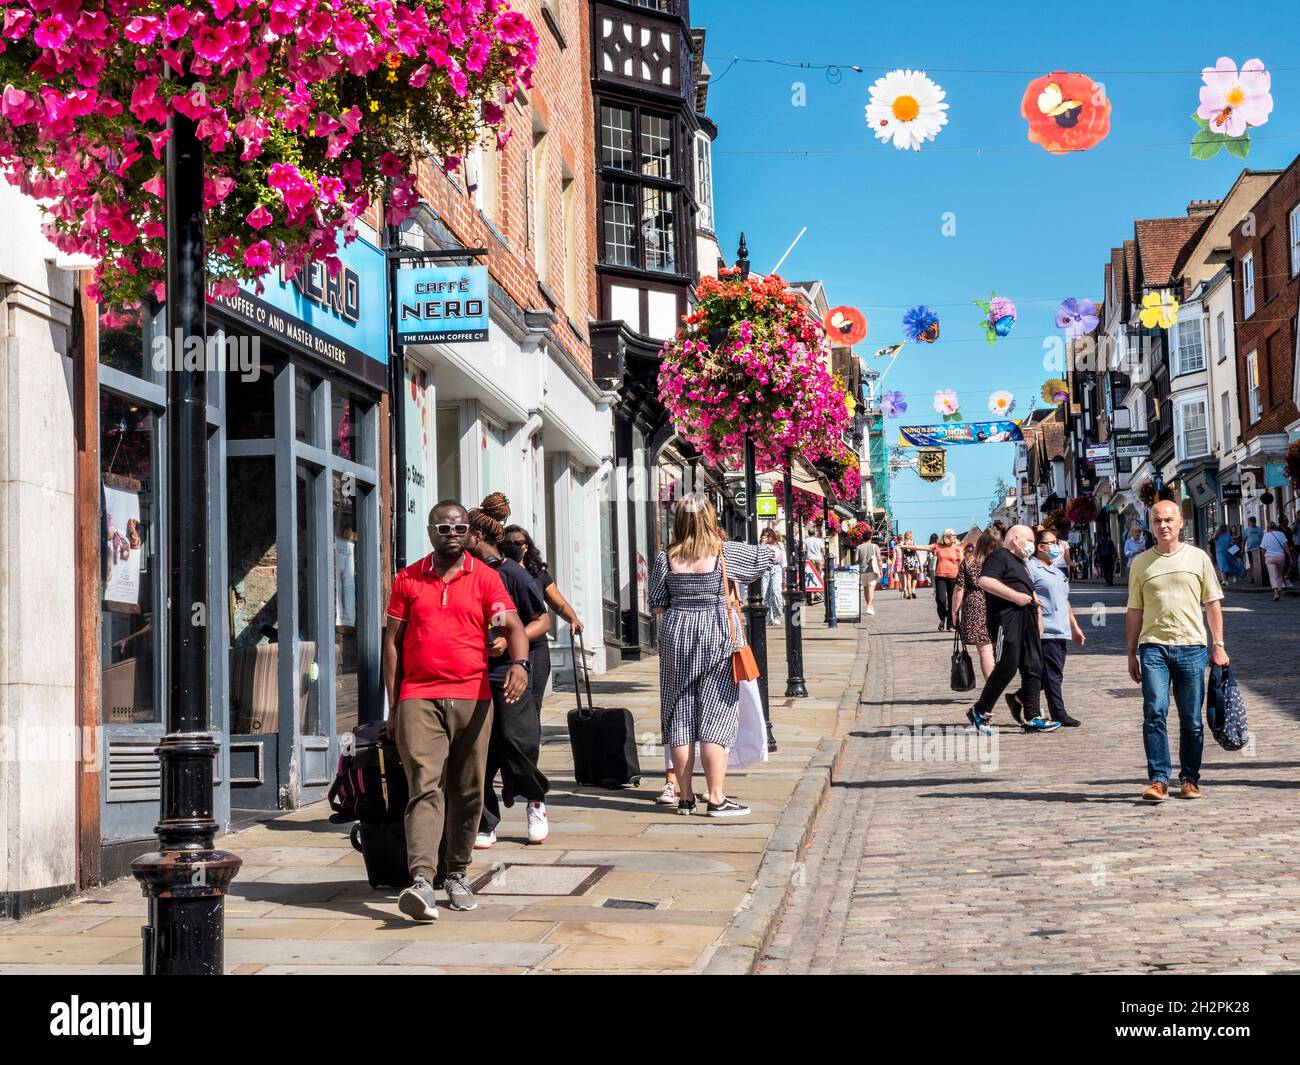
699 697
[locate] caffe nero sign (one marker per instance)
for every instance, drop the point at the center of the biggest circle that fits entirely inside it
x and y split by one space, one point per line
442 304
336 318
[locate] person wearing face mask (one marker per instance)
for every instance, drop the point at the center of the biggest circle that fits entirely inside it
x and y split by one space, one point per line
1052 587
1015 630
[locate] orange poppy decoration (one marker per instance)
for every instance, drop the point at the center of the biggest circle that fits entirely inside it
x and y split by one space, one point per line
845 326
1066 112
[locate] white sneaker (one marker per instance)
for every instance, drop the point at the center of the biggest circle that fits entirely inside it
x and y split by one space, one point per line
538 829
484 840
871 610
669 796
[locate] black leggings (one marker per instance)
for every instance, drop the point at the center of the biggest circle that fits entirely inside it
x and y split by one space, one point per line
541 659
513 750
1016 644
943 589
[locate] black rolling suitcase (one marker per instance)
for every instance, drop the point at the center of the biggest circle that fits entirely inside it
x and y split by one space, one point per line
383 846
371 787
603 739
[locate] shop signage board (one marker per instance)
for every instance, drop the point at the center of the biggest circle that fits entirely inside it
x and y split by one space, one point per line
1098 452
848 594
766 505
1275 475
339 319
1231 491
418 420
1131 445
441 304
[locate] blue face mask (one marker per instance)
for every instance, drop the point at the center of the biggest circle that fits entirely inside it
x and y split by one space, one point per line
1054 551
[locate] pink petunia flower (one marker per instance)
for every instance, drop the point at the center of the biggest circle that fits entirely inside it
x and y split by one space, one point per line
258 255
259 217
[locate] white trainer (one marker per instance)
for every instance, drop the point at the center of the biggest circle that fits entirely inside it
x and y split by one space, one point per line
538 829
669 796
484 840
871 610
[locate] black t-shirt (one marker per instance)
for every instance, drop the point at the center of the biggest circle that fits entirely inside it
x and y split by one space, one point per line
529 604
1003 566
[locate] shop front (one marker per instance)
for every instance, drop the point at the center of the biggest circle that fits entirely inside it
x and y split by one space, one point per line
296 376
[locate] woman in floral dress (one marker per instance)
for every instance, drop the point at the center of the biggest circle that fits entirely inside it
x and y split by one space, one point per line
968 600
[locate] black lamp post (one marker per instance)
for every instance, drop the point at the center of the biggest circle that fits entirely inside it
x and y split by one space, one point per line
794 683
828 580
185 880
757 612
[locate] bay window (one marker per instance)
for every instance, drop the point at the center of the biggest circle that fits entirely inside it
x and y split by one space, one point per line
641 190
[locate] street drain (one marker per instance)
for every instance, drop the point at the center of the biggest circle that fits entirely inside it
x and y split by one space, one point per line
627 904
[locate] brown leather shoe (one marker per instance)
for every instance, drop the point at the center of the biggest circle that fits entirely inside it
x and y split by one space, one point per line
1157 791
1188 790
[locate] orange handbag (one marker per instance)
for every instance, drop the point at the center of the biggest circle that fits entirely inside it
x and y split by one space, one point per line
744 666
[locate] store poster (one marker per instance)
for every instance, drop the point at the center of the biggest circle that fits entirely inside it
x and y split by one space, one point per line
419 459
123 550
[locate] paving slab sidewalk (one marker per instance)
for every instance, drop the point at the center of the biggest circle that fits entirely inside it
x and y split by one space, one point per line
621 885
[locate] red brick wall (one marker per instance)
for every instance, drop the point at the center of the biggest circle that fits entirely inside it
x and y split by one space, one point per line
561 99
1271 330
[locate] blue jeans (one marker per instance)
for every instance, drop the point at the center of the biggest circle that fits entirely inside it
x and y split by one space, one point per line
1181 666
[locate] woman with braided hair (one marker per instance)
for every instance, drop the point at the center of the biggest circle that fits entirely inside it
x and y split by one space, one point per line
516 727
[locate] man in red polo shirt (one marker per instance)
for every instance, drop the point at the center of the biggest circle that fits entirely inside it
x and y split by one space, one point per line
435 672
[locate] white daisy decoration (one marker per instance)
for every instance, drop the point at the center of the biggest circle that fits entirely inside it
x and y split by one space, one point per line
1002 403
907 108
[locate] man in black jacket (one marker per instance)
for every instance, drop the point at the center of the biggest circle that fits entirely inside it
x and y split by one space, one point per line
1015 629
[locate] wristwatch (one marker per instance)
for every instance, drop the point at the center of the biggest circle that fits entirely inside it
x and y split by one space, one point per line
1220 643
526 663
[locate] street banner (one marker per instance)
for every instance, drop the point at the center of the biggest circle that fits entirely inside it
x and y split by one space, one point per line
959 433
442 304
1275 475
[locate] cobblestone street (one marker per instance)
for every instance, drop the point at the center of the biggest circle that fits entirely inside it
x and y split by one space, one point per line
1035 854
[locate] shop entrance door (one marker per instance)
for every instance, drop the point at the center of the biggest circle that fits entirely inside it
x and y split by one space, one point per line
304 580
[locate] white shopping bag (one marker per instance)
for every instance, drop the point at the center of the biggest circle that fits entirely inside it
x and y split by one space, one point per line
751 736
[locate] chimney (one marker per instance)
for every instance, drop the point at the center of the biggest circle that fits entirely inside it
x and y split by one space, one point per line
1202 208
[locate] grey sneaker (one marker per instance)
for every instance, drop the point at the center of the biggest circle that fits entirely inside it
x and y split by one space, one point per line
459 896
418 901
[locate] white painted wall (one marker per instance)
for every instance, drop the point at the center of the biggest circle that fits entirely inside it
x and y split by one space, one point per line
38 665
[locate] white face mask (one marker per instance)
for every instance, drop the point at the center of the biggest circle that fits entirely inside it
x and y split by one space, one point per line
1027 550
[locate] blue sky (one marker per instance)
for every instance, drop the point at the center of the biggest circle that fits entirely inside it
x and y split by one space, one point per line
1034 226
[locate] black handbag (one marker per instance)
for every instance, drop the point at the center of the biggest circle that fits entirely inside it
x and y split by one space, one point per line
963 670
1225 710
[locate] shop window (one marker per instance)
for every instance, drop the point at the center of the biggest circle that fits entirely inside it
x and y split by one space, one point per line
126 340
304 388
608 591
254 602
343 429
250 406
308 550
448 445
494 443
346 649
129 561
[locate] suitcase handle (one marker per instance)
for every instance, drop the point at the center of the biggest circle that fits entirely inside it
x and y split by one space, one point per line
579 657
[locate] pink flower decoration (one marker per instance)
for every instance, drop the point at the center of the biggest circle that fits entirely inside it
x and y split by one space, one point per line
1231 101
258 254
52 32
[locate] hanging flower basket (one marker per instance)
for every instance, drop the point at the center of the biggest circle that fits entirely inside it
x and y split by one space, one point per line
750 360
1081 510
1293 464
308 111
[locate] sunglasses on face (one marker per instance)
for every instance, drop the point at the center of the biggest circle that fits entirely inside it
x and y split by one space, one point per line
444 529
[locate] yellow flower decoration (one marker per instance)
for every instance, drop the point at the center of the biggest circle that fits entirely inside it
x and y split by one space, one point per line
374 106
1159 309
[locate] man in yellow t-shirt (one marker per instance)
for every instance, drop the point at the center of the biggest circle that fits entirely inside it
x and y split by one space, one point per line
1168 586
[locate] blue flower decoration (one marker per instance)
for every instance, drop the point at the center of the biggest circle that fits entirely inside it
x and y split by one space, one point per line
921 324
